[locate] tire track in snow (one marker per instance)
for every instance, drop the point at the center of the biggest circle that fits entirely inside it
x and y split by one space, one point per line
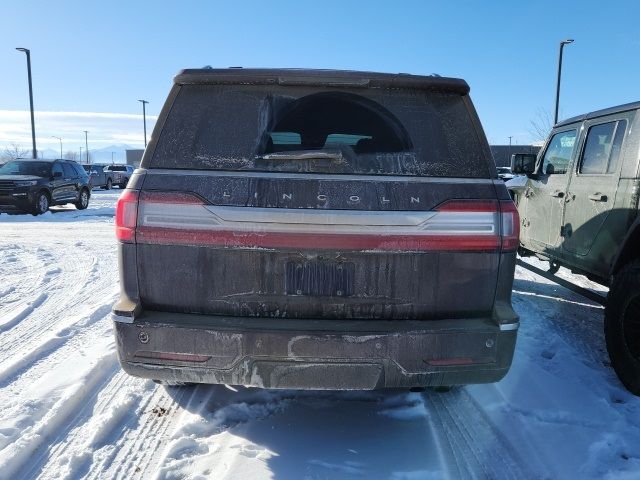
10 319
75 330
18 456
106 413
472 447
62 304
136 452
21 271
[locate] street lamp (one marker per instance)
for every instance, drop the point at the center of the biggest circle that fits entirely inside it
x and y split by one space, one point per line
144 120
53 136
86 145
33 123
562 44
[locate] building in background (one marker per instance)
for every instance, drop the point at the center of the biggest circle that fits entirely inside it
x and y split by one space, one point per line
502 153
134 157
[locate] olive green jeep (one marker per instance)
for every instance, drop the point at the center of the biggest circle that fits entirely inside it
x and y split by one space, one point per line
578 206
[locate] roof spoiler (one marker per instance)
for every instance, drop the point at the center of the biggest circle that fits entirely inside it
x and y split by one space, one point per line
321 78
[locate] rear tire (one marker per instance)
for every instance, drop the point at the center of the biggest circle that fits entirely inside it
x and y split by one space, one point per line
42 203
622 326
83 200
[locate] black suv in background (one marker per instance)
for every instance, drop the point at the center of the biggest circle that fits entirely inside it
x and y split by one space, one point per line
316 230
32 186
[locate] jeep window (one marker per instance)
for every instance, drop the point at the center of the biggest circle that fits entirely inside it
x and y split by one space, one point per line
558 155
39 169
602 148
371 132
117 168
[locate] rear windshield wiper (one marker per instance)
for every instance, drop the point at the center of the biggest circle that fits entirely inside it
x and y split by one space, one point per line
335 155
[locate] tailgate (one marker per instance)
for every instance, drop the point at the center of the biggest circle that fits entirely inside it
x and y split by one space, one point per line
314 246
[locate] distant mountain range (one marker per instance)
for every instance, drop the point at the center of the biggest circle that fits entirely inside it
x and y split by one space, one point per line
99 155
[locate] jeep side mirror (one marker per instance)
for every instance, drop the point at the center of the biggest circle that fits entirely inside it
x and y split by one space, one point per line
523 163
57 174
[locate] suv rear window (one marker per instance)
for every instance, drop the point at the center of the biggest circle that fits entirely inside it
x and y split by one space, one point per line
372 132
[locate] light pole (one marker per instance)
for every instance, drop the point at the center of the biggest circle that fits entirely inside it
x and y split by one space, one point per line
111 158
53 136
562 44
144 120
510 136
86 145
80 154
33 123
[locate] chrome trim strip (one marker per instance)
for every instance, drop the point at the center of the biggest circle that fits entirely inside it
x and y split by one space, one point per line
257 219
322 176
507 327
121 318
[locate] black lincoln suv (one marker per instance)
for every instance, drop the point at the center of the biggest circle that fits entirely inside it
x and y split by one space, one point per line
316 229
32 186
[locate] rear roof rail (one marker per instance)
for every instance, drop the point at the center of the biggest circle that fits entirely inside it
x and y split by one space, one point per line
310 77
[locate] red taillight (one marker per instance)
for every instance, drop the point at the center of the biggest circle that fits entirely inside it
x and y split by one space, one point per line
508 217
509 226
126 216
468 206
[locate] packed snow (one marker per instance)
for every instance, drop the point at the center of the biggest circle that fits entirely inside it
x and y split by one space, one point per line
68 411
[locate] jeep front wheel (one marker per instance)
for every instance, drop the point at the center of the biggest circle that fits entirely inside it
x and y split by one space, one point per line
622 326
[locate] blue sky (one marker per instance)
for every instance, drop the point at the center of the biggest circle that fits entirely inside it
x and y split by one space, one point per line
100 57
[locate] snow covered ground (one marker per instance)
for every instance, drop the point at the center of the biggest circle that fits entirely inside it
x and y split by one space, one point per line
68 411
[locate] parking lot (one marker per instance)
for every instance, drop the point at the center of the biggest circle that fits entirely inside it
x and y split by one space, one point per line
69 411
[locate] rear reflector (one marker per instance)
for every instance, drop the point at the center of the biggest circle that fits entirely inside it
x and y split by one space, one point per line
184 219
171 356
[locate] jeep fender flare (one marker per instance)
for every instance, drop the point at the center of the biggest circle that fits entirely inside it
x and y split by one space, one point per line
630 248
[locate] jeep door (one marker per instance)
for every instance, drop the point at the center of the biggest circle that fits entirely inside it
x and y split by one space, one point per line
592 190
545 194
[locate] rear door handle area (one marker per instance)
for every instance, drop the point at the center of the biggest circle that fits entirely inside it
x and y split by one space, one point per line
598 197
557 194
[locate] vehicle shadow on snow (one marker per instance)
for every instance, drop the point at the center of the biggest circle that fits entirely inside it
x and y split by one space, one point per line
578 320
558 322
304 434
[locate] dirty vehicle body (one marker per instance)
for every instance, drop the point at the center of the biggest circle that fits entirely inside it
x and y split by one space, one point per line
32 186
579 209
316 230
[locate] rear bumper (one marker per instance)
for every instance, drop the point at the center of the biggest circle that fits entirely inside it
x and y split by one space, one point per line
314 354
